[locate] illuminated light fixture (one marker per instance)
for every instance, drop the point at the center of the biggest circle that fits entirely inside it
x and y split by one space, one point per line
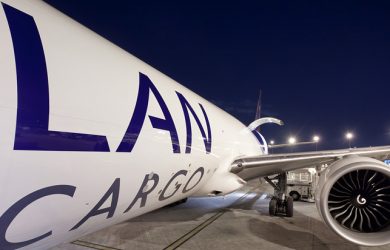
292 140
316 138
349 135
272 142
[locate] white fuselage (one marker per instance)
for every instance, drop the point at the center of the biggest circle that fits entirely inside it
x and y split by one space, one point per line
61 185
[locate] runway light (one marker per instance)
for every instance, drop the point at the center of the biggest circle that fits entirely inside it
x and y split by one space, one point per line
316 138
292 140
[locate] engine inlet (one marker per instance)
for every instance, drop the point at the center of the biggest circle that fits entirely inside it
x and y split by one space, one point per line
360 201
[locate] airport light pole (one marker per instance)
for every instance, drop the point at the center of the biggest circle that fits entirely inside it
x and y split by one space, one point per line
271 142
349 136
316 139
292 140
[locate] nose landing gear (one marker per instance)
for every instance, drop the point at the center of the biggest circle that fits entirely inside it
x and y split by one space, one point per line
281 203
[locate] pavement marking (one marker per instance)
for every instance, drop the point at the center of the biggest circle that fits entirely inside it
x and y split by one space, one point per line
93 245
194 231
177 243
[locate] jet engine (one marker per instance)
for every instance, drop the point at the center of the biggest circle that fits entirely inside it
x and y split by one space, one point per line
353 198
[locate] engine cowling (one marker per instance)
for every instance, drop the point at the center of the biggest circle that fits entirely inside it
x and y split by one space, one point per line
353 198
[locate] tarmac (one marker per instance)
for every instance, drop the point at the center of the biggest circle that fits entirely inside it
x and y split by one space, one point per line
237 221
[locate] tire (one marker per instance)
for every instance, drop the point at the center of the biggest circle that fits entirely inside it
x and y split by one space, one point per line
272 207
295 195
290 207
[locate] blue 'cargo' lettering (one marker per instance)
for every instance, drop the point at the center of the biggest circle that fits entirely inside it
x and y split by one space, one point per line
148 185
113 191
9 215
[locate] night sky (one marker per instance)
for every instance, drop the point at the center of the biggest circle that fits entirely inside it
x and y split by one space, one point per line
323 66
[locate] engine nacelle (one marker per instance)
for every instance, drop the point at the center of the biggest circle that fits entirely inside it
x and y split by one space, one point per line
353 198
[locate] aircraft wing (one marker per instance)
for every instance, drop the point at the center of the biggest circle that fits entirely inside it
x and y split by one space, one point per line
264 165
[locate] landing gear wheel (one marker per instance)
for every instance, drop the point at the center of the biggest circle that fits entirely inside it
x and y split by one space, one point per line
281 203
289 207
273 207
295 196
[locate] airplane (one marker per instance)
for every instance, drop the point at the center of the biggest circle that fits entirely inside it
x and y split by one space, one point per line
92 136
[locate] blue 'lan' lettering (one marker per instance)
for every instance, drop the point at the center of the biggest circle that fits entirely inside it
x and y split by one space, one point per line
207 140
137 121
32 125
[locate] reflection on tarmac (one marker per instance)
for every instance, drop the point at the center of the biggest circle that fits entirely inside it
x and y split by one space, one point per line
237 221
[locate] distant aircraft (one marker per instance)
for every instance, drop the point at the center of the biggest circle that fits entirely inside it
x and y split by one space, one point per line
92 136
